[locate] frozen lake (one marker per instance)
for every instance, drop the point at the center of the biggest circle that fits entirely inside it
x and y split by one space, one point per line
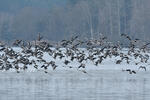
75 85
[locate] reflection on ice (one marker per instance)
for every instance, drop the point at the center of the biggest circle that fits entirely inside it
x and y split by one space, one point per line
71 85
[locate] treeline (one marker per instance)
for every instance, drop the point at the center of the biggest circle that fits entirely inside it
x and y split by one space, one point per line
64 18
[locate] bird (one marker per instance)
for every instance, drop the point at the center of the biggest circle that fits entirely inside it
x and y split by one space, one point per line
45 71
118 61
82 66
66 62
126 36
131 71
97 50
25 67
84 71
52 63
17 42
54 67
39 37
142 67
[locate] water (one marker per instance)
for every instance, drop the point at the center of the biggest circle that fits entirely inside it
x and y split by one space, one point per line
72 85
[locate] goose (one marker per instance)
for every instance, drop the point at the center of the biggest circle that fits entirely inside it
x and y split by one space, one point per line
118 61
17 42
131 71
142 67
39 37
66 62
82 66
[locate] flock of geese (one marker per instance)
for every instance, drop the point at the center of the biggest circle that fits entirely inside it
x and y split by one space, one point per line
69 51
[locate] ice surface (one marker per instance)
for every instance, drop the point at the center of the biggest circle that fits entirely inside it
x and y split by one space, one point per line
73 85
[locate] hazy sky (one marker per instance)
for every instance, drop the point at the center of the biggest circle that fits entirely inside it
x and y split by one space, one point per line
57 19
15 5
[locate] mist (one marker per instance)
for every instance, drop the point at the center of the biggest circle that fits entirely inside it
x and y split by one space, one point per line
60 19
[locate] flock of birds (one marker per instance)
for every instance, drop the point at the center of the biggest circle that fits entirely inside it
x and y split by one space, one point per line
69 51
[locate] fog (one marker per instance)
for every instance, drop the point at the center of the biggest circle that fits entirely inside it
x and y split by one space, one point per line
60 19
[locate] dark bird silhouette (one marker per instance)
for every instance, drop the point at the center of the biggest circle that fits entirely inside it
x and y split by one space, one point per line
82 66
142 67
126 36
45 71
44 66
84 71
25 67
144 47
17 42
52 63
17 68
36 66
118 61
66 62
54 67
131 71
39 37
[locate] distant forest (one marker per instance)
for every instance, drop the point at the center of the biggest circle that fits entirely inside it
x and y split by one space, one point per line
60 19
